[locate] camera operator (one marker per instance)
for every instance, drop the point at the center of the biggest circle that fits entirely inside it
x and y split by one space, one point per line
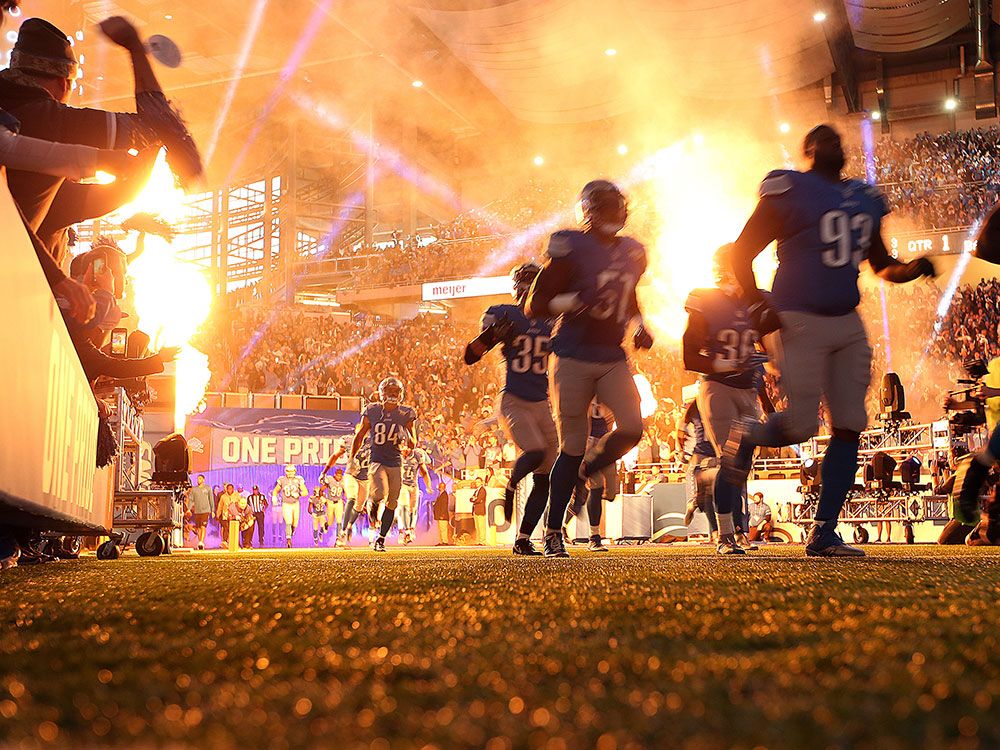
972 473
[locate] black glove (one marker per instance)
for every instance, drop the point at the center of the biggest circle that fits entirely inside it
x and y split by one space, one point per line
921 267
642 339
764 317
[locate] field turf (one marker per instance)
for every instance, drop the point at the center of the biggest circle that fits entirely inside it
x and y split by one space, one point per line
640 648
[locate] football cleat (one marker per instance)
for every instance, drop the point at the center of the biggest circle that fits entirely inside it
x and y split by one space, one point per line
737 454
728 546
823 542
526 548
596 544
554 545
379 545
341 539
743 542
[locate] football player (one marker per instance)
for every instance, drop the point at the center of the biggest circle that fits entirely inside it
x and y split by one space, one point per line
524 410
391 426
602 485
701 469
589 282
720 342
290 487
414 465
825 226
355 486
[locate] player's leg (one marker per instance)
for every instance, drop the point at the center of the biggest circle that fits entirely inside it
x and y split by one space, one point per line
846 379
519 421
719 409
597 490
392 485
538 497
289 514
799 353
573 384
405 512
616 389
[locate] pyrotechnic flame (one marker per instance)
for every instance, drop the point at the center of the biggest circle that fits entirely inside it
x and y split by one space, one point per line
172 298
702 201
647 400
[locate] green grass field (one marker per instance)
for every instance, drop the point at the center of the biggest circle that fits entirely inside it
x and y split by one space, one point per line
640 648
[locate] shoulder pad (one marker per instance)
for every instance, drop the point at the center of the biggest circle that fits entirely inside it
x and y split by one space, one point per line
491 316
561 243
695 301
635 249
777 182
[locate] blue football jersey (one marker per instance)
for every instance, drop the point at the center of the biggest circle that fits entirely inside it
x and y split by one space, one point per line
359 470
606 278
388 429
696 442
730 335
526 353
824 230
411 466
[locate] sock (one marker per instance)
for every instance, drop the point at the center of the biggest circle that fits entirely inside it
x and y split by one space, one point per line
388 516
595 530
526 463
564 476
611 448
349 515
534 506
725 525
579 499
840 463
595 506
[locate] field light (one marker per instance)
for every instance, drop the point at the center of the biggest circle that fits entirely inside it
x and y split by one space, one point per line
417 84
785 127
876 115
539 160
819 16
610 52
622 149
951 104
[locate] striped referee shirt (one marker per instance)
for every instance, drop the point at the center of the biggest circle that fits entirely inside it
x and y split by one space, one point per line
257 502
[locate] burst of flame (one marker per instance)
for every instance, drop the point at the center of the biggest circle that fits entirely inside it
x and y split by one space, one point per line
172 297
647 400
702 201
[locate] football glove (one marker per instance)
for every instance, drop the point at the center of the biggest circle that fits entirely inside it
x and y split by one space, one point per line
922 267
501 330
642 339
764 317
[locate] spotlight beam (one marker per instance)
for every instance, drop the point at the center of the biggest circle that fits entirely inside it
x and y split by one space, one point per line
249 38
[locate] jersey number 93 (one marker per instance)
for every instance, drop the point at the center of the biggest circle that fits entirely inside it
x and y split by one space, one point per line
837 228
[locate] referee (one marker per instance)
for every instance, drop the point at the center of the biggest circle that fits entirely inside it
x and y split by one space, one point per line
258 504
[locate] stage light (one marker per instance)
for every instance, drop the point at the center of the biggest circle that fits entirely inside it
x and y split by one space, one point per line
909 472
622 149
809 473
12 36
171 460
880 470
79 36
168 17
610 52
951 104
819 16
698 139
785 127
539 160
417 84
876 115
14 12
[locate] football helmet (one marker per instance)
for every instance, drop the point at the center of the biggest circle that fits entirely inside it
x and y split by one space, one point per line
522 277
602 207
290 471
722 266
390 391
